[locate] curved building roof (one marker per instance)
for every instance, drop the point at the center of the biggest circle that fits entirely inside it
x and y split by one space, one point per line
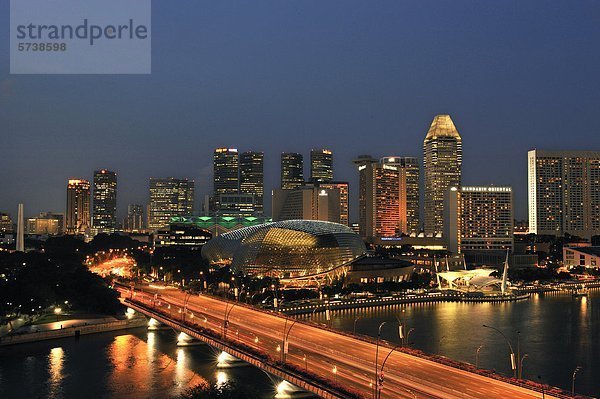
286 249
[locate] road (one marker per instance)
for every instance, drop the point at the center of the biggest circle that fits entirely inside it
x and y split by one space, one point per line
323 351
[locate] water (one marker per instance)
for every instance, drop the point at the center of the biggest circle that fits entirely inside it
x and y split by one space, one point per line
132 364
557 332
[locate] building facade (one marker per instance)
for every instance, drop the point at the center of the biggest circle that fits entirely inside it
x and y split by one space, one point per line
479 219
344 189
78 217
309 202
135 221
225 173
379 198
409 171
292 170
442 165
252 178
321 165
564 192
104 215
169 197
46 223
6 223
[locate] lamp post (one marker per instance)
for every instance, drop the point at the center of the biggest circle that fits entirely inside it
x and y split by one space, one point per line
477 356
573 380
406 342
513 362
285 338
354 329
377 359
380 377
226 319
525 356
543 392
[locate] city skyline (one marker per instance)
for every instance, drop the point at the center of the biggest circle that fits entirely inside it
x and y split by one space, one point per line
369 85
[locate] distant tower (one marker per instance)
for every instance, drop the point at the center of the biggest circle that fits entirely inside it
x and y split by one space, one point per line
252 177
408 168
104 215
442 162
20 230
226 174
321 165
78 206
292 170
169 197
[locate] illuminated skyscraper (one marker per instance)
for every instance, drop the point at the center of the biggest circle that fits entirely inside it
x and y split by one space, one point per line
344 198
78 206
226 173
6 223
292 170
321 165
169 197
46 223
479 219
252 178
104 215
442 163
564 192
379 198
408 168
309 202
135 218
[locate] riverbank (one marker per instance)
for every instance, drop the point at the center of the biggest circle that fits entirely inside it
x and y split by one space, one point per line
72 330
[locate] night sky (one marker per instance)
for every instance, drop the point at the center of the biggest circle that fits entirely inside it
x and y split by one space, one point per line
356 77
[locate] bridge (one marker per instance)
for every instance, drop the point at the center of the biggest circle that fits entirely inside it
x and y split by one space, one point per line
328 363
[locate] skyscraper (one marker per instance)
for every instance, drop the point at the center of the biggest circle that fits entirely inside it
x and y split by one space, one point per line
6 223
408 168
226 173
344 190
309 202
564 192
169 197
321 165
20 230
292 170
479 219
104 215
135 218
252 178
78 206
379 198
442 163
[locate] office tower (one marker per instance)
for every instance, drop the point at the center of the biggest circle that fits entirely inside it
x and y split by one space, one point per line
479 219
321 166
344 198
379 198
292 170
169 197
20 230
252 178
564 192
78 206
237 205
134 222
104 215
408 167
309 202
6 223
226 173
46 223
442 162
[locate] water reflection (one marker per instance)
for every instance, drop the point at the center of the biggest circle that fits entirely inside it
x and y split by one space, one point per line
55 368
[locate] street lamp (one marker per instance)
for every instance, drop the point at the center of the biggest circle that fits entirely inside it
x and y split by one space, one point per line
407 336
57 312
513 363
573 380
477 356
354 329
380 376
525 356
377 358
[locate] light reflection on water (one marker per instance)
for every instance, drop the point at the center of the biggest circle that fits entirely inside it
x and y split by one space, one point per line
136 364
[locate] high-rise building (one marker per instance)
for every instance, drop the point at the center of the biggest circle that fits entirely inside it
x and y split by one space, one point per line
252 178
564 192
6 223
344 198
46 223
134 222
321 165
442 163
78 218
104 215
309 202
169 197
408 168
479 219
226 173
292 170
20 247
379 198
